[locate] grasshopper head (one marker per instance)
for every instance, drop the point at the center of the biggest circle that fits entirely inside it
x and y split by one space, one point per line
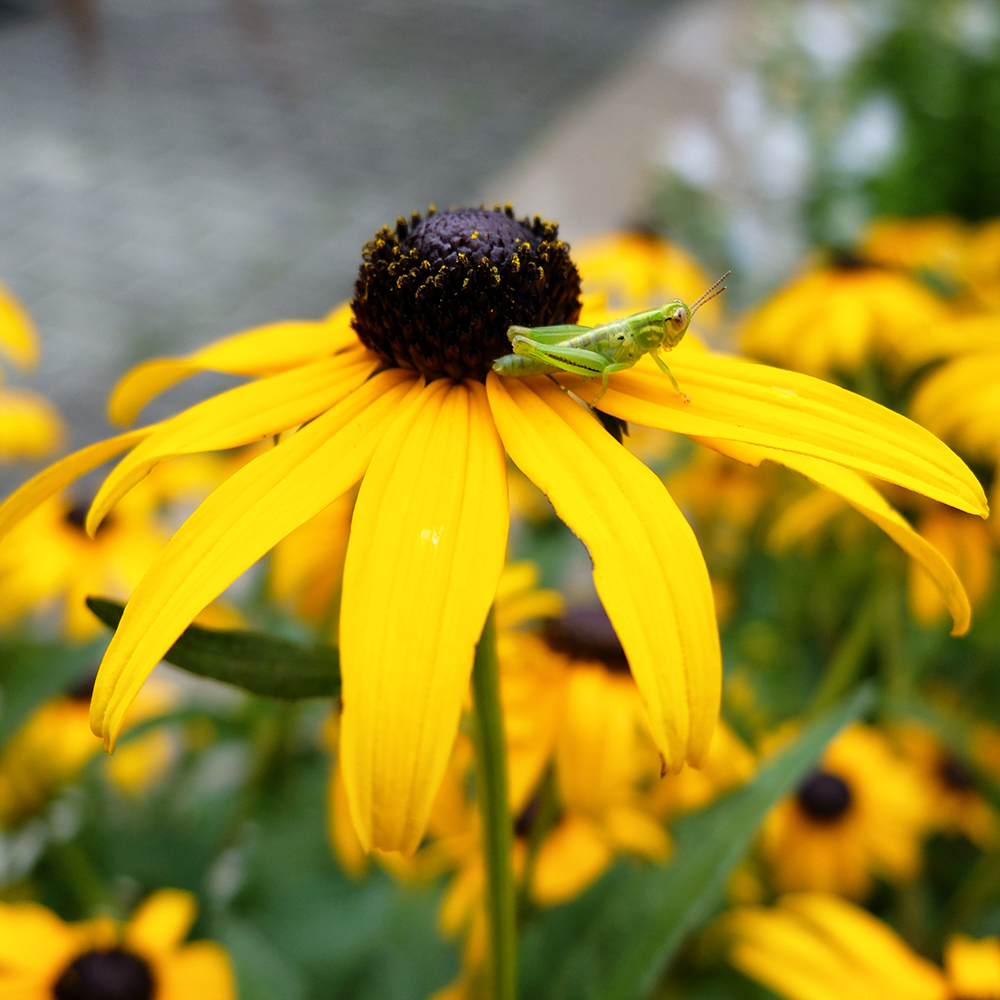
676 318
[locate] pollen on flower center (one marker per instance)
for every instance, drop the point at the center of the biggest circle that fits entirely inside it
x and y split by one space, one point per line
824 797
437 295
586 634
105 975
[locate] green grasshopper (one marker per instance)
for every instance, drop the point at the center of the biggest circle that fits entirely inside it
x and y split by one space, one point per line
605 349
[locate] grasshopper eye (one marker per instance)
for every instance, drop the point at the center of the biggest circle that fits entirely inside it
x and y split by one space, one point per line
680 319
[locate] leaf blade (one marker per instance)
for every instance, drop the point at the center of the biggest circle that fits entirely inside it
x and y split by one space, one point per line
261 664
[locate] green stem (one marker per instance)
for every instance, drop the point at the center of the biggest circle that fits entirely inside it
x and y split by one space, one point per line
494 809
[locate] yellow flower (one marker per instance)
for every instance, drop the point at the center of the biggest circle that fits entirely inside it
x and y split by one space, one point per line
30 427
967 544
961 403
730 763
817 947
43 958
862 811
954 803
973 967
605 759
832 319
532 693
966 256
307 566
49 557
408 406
628 272
984 264
933 244
52 746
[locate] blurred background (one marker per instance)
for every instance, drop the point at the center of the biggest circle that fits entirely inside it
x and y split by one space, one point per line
173 172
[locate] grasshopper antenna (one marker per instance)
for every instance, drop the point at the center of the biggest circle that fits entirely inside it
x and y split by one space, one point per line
710 294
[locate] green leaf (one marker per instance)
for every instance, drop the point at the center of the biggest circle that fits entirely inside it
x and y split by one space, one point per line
616 941
259 663
32 673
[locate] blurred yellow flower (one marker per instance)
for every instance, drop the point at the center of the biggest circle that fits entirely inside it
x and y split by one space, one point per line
862 812
43 958
52 746
960 402
973 967
627 272
834 318
30 427
813 946
307 565
406 410
955 805
967 543
49 562
966 256
932 244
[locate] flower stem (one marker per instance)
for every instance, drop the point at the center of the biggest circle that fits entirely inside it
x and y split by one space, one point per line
494 809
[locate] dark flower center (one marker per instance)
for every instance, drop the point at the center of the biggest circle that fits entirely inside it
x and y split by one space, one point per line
850 260
105 975
824 797
83 689
586 634
955 774
76 516
525 823
437 295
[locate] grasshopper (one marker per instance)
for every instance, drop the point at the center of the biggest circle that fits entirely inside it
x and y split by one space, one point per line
605 349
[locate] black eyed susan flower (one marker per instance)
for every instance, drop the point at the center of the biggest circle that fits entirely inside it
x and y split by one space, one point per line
395 391
862 811
956 806
960 401
43 958
30 427
56 741
834 317
812 946
49 563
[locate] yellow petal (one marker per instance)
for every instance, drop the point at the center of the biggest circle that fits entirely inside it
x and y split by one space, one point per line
30 426
867 944
60 474
737 400
247 515
262 350
34 938
961 402
201 970
973 966
573 855
234 418
426 550
648 568
17 333
776 949
162 922
863 497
